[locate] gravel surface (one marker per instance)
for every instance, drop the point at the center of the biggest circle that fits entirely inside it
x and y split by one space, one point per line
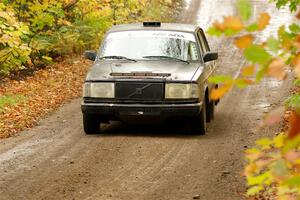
55 160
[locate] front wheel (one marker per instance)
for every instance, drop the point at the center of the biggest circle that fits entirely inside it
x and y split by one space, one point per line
210 112
198 123
91 124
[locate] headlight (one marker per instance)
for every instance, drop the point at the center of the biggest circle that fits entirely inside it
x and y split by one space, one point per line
99 90
181 91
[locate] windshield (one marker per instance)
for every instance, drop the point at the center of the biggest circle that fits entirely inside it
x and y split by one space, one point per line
141 45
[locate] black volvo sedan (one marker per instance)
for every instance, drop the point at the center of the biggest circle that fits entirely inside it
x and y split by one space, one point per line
150 70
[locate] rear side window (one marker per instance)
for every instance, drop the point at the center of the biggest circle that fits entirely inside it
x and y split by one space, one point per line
193 52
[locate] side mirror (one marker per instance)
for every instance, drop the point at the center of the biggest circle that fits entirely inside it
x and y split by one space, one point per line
210 56
91 55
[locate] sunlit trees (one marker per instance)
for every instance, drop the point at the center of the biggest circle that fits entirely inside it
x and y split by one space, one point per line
34 32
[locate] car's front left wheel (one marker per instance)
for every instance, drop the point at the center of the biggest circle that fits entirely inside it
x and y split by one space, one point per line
91 124
210 111
198 123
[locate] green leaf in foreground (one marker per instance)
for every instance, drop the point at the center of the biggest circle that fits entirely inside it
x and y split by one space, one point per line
294 28
230 32
241 83
245 9
273 44
261 72
252 28
214 32
257 54
220 79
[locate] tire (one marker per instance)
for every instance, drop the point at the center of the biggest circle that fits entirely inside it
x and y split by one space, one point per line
91 125
210 112
198 123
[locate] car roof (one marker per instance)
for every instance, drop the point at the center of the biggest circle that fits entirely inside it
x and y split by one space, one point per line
164 27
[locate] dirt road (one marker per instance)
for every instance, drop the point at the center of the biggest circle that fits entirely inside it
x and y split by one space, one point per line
57 161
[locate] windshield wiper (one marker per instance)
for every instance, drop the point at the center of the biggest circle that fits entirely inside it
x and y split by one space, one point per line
117 58
167 57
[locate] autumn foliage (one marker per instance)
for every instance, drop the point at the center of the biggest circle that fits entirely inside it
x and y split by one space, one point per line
34 33
273 169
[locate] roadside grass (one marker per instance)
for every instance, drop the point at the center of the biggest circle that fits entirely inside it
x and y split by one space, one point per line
11 100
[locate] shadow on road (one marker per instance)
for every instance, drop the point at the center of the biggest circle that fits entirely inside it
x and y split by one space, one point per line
175 129
178 130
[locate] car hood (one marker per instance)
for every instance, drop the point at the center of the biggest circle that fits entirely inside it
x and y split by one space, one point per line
168 70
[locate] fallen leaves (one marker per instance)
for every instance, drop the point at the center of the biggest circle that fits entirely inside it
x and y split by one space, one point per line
45 91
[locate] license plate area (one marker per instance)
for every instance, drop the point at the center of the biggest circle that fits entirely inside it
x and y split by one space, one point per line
140 112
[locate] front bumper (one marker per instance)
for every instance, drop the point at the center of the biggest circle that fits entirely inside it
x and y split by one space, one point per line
113 110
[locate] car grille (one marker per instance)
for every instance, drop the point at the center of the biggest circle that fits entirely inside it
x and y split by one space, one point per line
139 91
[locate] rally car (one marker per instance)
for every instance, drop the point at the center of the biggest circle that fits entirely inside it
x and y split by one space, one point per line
150 70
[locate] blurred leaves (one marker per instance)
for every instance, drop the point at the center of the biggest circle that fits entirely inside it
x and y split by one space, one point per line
294 125
291 3
245 9
273 44
273 165
229 26
276 69
220 92
263 21
244 41
248 70
257 54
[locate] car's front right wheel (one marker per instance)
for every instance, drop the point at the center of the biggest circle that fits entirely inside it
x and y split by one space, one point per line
91 124
198 123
